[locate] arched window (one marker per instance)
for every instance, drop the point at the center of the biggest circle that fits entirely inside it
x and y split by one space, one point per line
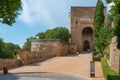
87 31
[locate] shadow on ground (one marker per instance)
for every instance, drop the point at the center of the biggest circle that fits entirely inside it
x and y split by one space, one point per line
39 76
112 77
9 77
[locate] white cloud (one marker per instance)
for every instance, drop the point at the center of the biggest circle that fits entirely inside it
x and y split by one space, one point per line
49 13
40 11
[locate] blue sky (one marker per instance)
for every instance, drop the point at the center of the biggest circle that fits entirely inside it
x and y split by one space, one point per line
38 16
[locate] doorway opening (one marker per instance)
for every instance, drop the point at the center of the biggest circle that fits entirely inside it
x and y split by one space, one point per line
86 45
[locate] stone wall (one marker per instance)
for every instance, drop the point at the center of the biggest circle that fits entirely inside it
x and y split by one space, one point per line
8 63
29 57
114 56
53 47
72 48
25 57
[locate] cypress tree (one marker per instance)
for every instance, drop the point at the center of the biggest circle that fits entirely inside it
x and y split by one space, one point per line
98 23
99 17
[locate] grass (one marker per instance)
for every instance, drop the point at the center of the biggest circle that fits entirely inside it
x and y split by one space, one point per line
109 74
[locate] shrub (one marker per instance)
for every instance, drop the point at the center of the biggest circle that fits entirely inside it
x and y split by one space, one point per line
96 56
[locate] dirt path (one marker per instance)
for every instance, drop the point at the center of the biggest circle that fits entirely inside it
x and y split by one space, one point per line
72 65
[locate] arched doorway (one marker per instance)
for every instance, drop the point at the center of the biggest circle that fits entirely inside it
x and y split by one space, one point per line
86 45
87 38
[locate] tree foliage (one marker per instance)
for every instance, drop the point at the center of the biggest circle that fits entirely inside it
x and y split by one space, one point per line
7 50
61 33
115 12
99 17
27 44
104 38
40 35
1 48
98 25
56 33
10 50
9 10
109 1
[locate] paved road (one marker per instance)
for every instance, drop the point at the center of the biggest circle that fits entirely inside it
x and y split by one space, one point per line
40 76
71 65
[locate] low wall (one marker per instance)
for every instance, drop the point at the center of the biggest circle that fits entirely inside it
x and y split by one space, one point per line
54 46
25 57
28 57
114 56
8 63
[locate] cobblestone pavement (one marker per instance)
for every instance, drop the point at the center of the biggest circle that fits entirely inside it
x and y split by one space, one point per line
71 65
40 76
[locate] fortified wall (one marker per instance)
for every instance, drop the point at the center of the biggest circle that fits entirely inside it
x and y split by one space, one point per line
53 47
114 56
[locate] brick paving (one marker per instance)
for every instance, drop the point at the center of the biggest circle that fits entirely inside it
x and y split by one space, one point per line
72 65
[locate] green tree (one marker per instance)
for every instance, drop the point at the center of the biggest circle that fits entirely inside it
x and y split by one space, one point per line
99 17
104 38
61 33
115 12
9 50
56 33
40 35
1 48
98 24
9 10
27 44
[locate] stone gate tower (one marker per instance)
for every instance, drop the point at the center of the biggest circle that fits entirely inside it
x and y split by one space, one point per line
81 27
